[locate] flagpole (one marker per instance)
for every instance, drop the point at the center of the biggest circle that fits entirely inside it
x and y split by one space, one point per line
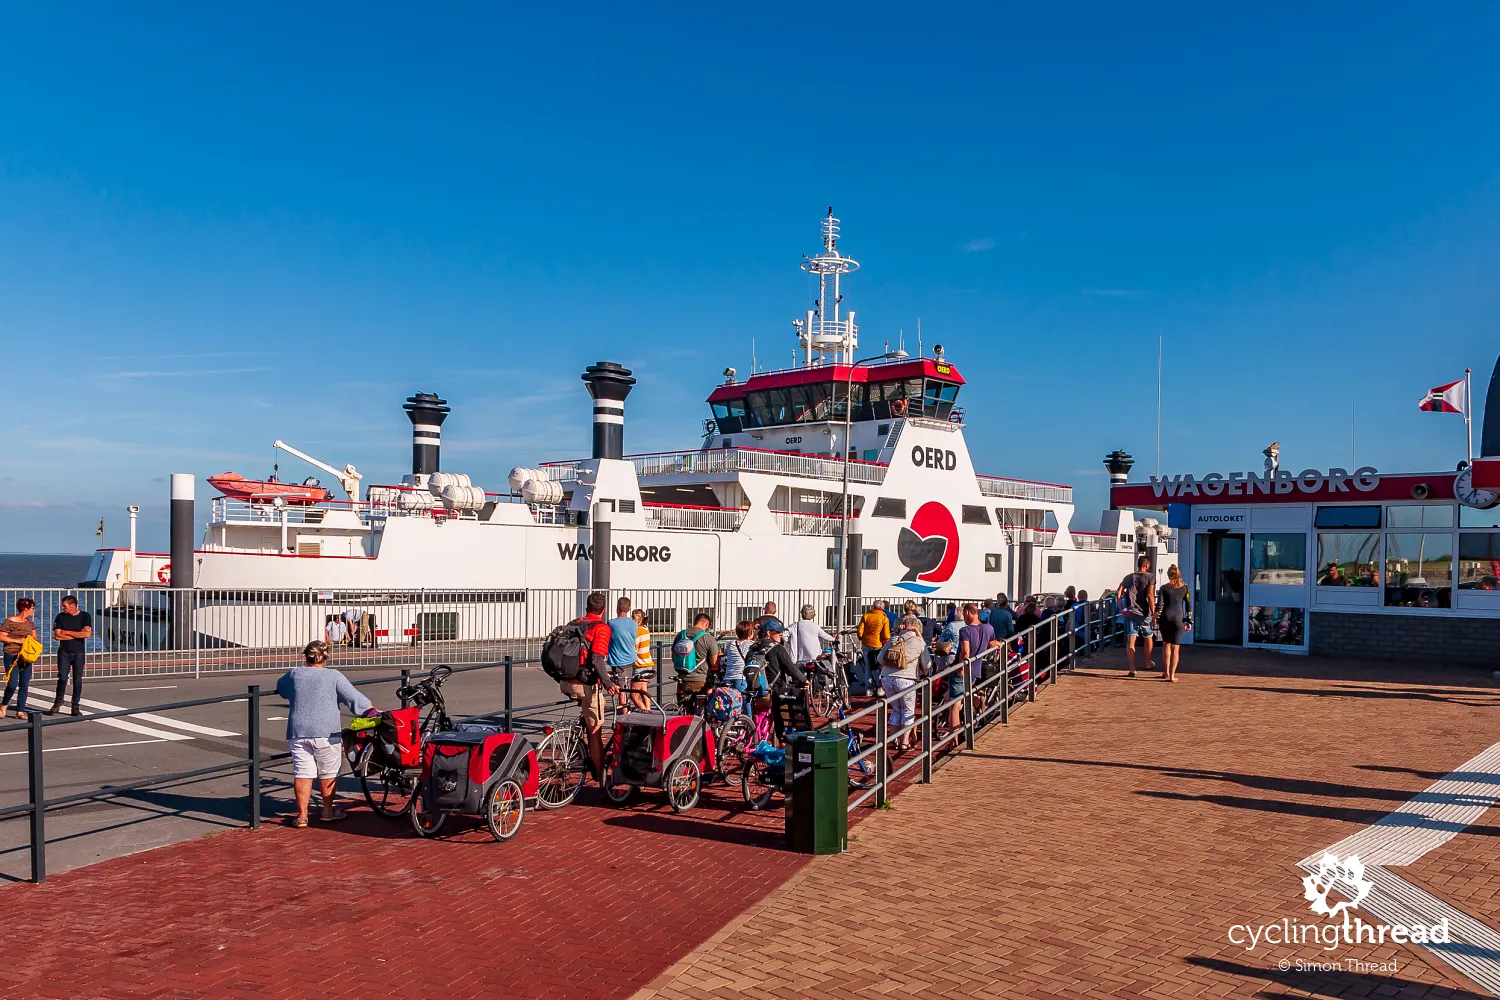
1468 408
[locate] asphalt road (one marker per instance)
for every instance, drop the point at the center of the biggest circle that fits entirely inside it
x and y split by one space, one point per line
90 755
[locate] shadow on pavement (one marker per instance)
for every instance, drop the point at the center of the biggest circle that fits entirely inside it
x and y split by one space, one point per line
1403 694
682 826
1334 984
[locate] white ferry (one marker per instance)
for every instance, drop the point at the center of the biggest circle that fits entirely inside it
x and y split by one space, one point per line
796 467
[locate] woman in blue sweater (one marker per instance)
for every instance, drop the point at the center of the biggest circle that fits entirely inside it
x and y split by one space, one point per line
315 693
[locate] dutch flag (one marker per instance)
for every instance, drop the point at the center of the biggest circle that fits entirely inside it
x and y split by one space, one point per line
1448 398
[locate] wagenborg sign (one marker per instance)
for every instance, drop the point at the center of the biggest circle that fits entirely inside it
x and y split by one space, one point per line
1362 480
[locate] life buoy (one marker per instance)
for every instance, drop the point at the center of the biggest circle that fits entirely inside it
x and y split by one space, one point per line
898 408
164 573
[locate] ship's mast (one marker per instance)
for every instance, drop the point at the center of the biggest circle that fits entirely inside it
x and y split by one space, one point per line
824 335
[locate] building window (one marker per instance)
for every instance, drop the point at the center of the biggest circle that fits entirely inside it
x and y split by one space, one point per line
1279 559
1473 517
1348 558
1276 626
1418 568
973 514
992 562
1054 564
1419 515
1347 517
1479 560
890 507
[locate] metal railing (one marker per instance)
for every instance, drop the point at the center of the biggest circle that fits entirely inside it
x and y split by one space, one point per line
1093 541
160 631
38 804
694 518
721 460
1012 674
808 524
1021 489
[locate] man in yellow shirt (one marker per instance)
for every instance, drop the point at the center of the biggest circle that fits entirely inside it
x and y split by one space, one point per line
874 633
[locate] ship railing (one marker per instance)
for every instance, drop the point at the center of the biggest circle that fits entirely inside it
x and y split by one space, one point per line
689 518
793 523
1094 541
709 461
1024 489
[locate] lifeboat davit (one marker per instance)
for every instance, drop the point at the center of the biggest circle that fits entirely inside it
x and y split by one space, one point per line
237 487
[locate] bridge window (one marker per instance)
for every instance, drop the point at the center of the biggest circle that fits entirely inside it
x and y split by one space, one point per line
730 416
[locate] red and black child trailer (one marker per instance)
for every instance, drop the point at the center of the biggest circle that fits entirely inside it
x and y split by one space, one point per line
655 749
475 771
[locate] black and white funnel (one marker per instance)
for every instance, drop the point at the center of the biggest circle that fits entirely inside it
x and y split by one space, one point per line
427 413
609 383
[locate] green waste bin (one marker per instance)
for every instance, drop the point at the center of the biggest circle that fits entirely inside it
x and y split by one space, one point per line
817 792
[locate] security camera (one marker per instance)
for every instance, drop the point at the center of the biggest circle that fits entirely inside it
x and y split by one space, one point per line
729 373
132 509
937 350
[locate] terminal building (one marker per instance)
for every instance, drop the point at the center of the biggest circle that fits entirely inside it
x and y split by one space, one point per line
1334 562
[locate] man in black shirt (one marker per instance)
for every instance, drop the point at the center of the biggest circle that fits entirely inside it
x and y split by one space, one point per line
70 628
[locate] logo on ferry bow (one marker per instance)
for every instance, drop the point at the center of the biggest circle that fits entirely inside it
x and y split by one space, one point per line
928 549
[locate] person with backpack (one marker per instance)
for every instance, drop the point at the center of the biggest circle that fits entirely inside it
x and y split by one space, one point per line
902 662
18 633
576 655
695 652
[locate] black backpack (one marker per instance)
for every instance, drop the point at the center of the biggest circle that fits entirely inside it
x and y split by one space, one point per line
565 651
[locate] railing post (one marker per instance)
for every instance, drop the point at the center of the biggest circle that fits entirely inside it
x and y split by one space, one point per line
252 754
924 705
968 705
509 722
661 667
405 683
1057 648
192 601
421 646
880 755
1005 683
1031 639
38 797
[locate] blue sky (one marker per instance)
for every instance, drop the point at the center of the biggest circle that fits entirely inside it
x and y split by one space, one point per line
217 229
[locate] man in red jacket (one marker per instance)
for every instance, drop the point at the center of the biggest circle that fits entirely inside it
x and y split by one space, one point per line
589 691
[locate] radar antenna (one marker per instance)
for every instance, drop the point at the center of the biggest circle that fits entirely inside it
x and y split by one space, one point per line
824 335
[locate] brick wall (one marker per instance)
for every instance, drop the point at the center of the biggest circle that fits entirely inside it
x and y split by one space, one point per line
1471 642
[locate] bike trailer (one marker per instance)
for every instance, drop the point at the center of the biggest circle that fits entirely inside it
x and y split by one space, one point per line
459 767
647 744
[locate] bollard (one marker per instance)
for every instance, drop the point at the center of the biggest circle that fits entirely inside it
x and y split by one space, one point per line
252 754
38 798
509 722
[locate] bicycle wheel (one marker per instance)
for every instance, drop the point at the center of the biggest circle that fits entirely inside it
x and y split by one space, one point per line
426 822
684 783
755 784
504 809
733 745
861 772
389 791
619 793
559 769
821 699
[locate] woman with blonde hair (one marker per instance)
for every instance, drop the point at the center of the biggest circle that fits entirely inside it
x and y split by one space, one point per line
1173 617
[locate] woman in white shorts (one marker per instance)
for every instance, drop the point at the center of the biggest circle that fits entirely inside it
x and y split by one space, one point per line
314 694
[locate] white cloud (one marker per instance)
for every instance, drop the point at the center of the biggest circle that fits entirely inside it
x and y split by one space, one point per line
980 245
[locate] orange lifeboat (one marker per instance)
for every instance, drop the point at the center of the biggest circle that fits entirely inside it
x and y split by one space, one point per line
237 487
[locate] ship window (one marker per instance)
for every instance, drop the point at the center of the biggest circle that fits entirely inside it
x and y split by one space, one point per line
992 562
883 429
1054 564
660 620
938 399
868 558
437 626
757 410
730 415
974 514
627 506
890 507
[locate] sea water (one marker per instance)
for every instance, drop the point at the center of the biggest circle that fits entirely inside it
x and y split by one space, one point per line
21 569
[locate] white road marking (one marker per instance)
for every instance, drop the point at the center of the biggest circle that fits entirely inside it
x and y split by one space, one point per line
275 718
164 687
159 720
37 703
1430 819
90 746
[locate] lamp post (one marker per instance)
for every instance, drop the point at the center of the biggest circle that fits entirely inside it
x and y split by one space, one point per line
843 543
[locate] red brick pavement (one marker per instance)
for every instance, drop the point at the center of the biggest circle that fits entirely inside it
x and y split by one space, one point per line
1104 843
588 901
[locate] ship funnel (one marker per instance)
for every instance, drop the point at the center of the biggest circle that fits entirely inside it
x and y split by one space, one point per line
1118 463
427 413
609 383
